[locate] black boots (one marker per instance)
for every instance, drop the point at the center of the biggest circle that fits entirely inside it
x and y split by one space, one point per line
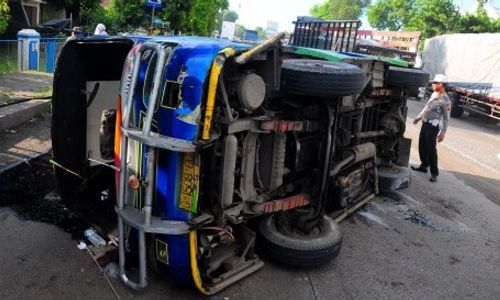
419 169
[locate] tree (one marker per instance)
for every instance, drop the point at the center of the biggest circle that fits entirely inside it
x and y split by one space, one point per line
340 9
431 17
127 15
389 14
230 15
4 15
477 22
93 13
203 16
261 32
177 13
240 31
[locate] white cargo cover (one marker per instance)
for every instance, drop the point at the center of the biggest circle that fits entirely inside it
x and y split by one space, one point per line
469 60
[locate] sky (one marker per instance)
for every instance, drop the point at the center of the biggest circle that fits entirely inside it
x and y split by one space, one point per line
253 13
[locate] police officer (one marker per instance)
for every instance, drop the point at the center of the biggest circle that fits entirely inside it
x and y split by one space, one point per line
434 117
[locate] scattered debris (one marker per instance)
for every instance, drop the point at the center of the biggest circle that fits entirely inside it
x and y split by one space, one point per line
104 274
112 270
93 237
453 260
419 218
81 245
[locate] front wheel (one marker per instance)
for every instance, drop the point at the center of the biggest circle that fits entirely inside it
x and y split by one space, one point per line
283 243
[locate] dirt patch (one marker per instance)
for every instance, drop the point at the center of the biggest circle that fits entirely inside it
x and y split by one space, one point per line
24 189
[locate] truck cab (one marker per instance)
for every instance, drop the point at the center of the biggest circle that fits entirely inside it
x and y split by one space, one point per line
197 148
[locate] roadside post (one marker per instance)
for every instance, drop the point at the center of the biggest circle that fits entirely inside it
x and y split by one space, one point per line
154 4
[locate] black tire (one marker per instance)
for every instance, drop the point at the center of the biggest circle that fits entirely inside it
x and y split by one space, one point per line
407 77
320 78
69 120
297 249
456 110
413 91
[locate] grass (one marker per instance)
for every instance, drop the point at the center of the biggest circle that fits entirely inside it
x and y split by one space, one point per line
45 92
8 57
7 64
4 97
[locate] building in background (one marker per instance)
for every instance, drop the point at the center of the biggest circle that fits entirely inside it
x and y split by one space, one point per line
271 28
30 13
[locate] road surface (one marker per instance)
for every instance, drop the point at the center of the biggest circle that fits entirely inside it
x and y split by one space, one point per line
432 241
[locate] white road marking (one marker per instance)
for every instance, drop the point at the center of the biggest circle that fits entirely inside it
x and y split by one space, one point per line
498 155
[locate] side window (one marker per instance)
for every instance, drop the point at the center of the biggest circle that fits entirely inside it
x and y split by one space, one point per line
170 95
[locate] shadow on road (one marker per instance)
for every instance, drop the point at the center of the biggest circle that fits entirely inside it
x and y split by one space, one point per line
487 186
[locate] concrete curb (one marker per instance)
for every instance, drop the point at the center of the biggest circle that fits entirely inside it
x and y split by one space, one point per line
18 161
19 113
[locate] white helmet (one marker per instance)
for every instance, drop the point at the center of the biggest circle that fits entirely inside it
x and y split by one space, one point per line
439 78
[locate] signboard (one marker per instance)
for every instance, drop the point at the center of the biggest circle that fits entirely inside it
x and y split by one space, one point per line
228 30
153 3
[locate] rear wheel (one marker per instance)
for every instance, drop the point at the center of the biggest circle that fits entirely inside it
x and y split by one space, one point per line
287 245
407 77
456 110
320 78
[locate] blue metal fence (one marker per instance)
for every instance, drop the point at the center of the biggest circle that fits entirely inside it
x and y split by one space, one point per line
49 49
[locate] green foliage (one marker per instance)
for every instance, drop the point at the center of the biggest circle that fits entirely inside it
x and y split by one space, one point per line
4 15
478 22
240 31
261 32
203 16
230 16
431 17
177 13
92 13
389 14
126 16
340 9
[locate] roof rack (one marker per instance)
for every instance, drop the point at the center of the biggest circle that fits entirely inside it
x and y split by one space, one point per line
336 35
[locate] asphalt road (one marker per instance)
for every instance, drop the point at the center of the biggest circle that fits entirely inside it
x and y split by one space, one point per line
432 241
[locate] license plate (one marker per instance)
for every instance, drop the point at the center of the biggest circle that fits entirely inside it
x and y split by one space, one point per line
190 182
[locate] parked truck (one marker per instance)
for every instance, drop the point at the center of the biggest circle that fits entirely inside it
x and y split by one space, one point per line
200 148
472 64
